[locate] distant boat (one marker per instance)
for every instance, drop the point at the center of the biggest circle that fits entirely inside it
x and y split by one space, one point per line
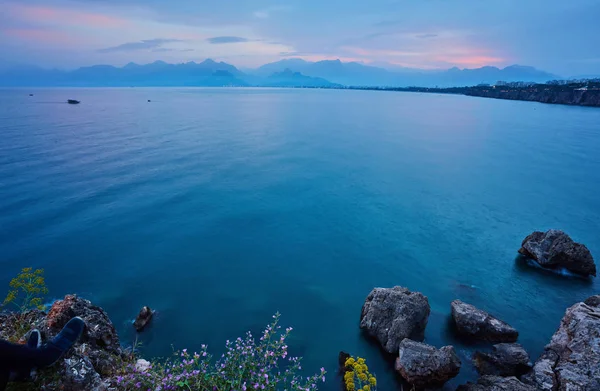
30 94
72 102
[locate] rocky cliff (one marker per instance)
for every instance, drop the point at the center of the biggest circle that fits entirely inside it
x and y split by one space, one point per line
572 97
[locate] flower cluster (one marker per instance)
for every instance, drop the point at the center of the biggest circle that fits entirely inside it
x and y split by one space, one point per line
247 365
357 376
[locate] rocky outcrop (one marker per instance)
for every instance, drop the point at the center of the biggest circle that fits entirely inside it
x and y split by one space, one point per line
506 359
393 314
569 97
423 365
476 323
94 361
496 383
555 249
571 362
143 318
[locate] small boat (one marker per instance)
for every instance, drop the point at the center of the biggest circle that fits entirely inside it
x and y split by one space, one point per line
72 102
30 94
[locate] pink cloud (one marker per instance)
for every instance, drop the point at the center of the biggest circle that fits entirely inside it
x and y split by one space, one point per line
41 35
64 16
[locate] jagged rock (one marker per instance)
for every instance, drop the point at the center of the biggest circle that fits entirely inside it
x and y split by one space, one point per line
99 331
80 375
571 362
92 362
342 357
593 301
423 365
506 359
479 324
554 248
392 314
496 383
143 318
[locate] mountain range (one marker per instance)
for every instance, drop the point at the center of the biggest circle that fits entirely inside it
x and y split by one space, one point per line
285 73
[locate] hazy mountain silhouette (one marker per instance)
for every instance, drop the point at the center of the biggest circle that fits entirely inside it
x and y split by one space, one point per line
288 78
357 74
285 73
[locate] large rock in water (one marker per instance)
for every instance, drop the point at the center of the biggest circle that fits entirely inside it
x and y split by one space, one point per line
496 383
554 249
423 365
479 324
571 362
506 359
392 314
143 318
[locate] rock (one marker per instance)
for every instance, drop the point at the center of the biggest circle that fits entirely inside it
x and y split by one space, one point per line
99 331
80 375
142 365
571 361
555 248
593 301
423 365
392 314
94 360
496 383
506 359
479 324
342 357
143 318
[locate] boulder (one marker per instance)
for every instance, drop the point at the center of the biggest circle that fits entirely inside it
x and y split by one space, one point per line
143 318
478 324
423 365
342 357
555 249
571 361
99 331
496 383
392 314
506 359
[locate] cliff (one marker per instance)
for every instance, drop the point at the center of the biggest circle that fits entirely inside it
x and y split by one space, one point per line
543 95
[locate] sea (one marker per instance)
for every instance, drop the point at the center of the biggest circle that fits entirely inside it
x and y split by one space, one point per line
219 207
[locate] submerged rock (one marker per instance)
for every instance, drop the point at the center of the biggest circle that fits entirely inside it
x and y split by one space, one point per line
392 314
479 324
496 383
572 359
143 318
342 357
423 365
554 249
506 359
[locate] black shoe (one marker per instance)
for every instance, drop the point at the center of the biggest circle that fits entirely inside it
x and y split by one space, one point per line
60 344
35 339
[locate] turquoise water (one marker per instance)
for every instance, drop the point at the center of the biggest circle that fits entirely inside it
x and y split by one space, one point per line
219 207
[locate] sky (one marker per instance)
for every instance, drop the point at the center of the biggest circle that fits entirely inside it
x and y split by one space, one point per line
553 35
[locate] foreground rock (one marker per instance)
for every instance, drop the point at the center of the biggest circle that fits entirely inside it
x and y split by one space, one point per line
392 314
143 318
496 383
423 365
554 249
506 359
95 360
477 323
572 359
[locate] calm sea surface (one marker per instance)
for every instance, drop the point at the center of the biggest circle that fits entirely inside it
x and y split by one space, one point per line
220 207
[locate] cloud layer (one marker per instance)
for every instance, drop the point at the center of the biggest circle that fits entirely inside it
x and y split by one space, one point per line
421 34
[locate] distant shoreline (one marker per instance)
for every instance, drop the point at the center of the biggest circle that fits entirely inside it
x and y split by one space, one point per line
573 94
